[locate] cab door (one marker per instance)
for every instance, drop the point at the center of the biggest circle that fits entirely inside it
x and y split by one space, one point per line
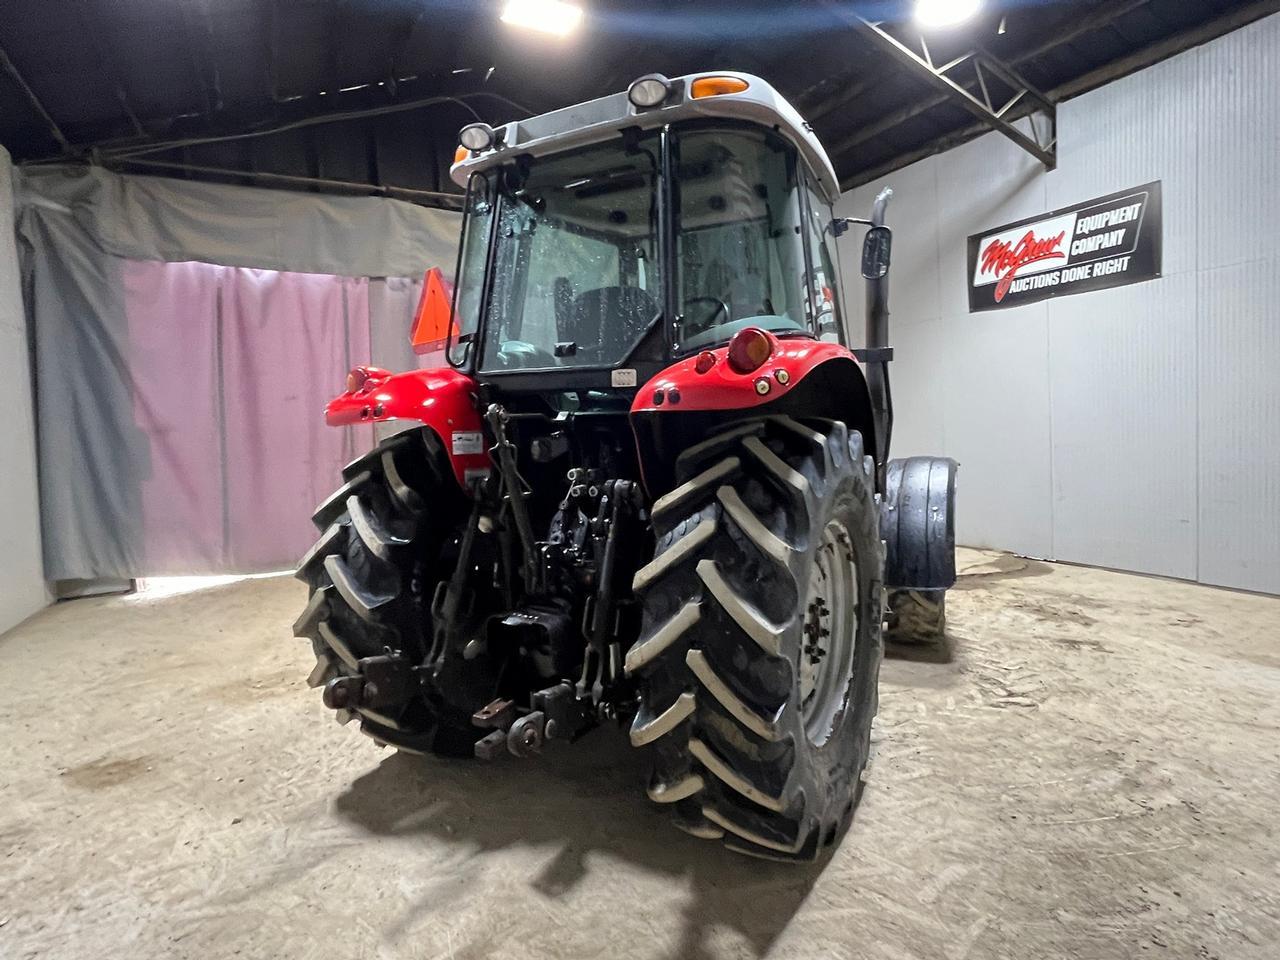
824 287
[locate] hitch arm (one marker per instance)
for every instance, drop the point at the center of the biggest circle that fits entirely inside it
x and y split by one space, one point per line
504 456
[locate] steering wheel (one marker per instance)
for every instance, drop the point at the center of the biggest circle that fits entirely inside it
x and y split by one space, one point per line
719 307
519 353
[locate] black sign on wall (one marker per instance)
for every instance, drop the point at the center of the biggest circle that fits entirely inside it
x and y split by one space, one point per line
1107 242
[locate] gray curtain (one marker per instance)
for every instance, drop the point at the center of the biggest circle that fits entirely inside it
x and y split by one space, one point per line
186 338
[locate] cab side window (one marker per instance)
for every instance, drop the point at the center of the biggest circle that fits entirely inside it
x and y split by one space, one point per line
824 287
739 231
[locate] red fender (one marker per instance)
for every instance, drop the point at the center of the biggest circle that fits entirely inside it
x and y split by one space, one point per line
682 388
697 396
442 398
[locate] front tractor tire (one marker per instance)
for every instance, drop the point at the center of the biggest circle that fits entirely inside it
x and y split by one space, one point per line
388 538
760 647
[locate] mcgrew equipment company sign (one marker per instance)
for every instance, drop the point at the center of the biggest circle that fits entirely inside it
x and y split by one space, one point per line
1107 242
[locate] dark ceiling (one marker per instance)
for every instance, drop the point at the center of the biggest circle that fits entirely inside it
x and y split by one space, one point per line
372 92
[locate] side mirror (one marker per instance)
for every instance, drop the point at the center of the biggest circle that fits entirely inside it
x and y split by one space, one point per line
875 253
840 225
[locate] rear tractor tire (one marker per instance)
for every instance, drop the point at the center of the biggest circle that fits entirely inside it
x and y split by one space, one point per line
760 647
915 616
387 541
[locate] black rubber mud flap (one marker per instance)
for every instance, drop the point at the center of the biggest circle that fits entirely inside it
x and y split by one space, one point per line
917 523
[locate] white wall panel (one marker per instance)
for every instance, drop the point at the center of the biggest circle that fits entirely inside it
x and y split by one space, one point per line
969 387
914 280
982 184
1122 387
1137 427
22 588
1138 129
920 381
996 405
1239 297
1238 148
1239 425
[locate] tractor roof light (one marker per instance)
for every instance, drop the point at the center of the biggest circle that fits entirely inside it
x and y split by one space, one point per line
716 86
477 137
649 91
749 348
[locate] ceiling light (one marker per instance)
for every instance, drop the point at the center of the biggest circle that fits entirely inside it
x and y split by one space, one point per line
549 16
945 13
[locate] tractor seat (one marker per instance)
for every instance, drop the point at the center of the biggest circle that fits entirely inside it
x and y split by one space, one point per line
606 322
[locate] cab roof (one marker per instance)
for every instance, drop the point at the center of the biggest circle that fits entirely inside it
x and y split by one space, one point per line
597 120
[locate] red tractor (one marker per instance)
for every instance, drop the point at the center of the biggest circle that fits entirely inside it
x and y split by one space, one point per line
651 486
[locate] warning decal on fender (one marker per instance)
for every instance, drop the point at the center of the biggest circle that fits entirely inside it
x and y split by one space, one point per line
467 441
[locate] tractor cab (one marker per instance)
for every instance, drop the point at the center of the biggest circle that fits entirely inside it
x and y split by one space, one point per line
605 241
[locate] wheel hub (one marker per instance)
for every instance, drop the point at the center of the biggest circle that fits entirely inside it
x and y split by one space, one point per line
829 637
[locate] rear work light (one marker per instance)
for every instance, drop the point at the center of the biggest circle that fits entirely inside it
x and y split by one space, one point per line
477 137
649 91
716 86
749 348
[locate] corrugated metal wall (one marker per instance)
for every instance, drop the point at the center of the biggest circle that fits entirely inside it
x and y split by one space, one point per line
1137 427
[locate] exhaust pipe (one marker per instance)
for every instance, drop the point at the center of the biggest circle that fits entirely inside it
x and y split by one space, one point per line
878 353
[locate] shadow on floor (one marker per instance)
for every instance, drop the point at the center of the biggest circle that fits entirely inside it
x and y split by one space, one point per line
583 799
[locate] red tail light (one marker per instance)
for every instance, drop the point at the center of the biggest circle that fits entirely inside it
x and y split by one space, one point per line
706 360
359 377
749 348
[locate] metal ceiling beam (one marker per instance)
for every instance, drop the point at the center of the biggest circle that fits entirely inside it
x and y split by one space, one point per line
400 39
1041 143
94 32
1107 13
336 41
886 123
1101 17
843 89
824 108
49 122
200 54
273 48
123 150
1140 59
832 104
1168 47
901 160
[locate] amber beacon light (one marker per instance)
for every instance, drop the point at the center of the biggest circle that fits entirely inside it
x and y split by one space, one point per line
716 86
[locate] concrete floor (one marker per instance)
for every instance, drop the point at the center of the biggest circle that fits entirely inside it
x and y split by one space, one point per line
1089 771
